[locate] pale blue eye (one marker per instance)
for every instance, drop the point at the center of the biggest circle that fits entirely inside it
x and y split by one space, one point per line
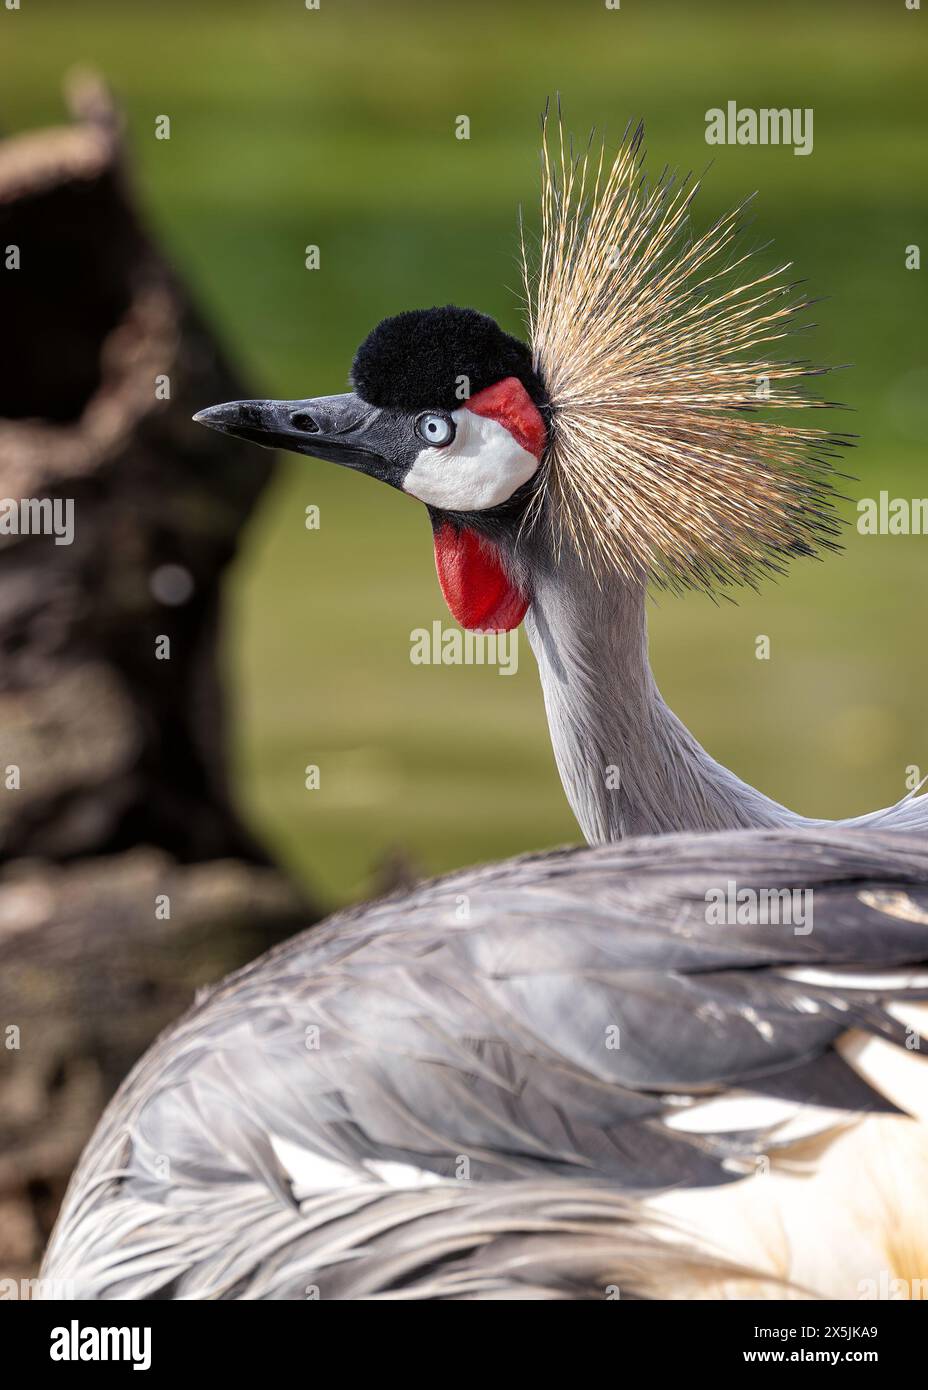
435 429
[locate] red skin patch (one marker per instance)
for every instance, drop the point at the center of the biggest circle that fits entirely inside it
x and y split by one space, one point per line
476 587
508 402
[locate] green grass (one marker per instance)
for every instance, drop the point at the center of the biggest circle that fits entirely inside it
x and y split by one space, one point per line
336 128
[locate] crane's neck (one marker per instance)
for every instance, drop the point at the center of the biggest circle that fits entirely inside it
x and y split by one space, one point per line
629 767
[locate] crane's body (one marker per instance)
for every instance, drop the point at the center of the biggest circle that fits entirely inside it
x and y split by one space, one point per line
409 1101
519 1101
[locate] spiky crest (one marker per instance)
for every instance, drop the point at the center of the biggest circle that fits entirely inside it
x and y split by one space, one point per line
652 345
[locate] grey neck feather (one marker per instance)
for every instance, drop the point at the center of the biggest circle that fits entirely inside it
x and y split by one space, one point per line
629 767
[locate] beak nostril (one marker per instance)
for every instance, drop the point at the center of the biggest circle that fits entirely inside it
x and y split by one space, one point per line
303 421
250 415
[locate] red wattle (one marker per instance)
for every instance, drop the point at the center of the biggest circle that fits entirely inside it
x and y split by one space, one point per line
474 583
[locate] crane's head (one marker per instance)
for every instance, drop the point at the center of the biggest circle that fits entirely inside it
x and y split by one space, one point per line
447 408
639 433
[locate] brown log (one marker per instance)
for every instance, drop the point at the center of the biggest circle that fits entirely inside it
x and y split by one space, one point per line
113 787
114 746
96 957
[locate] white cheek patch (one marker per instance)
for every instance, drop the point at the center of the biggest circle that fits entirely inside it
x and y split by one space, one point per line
481 467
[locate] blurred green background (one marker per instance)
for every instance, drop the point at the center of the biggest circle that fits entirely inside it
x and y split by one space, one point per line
336 127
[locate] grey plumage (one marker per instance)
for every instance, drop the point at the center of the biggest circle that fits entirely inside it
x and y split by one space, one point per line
628 765
469 1022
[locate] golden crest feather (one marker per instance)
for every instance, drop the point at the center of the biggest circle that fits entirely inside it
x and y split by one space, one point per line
654 346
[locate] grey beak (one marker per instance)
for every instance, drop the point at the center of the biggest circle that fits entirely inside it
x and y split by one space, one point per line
343 429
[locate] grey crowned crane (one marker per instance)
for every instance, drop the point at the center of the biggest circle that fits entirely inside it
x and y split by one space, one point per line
565 1074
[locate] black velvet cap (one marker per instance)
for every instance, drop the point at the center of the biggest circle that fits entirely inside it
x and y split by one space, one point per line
414 361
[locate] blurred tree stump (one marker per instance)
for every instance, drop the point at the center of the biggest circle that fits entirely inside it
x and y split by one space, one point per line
127 878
